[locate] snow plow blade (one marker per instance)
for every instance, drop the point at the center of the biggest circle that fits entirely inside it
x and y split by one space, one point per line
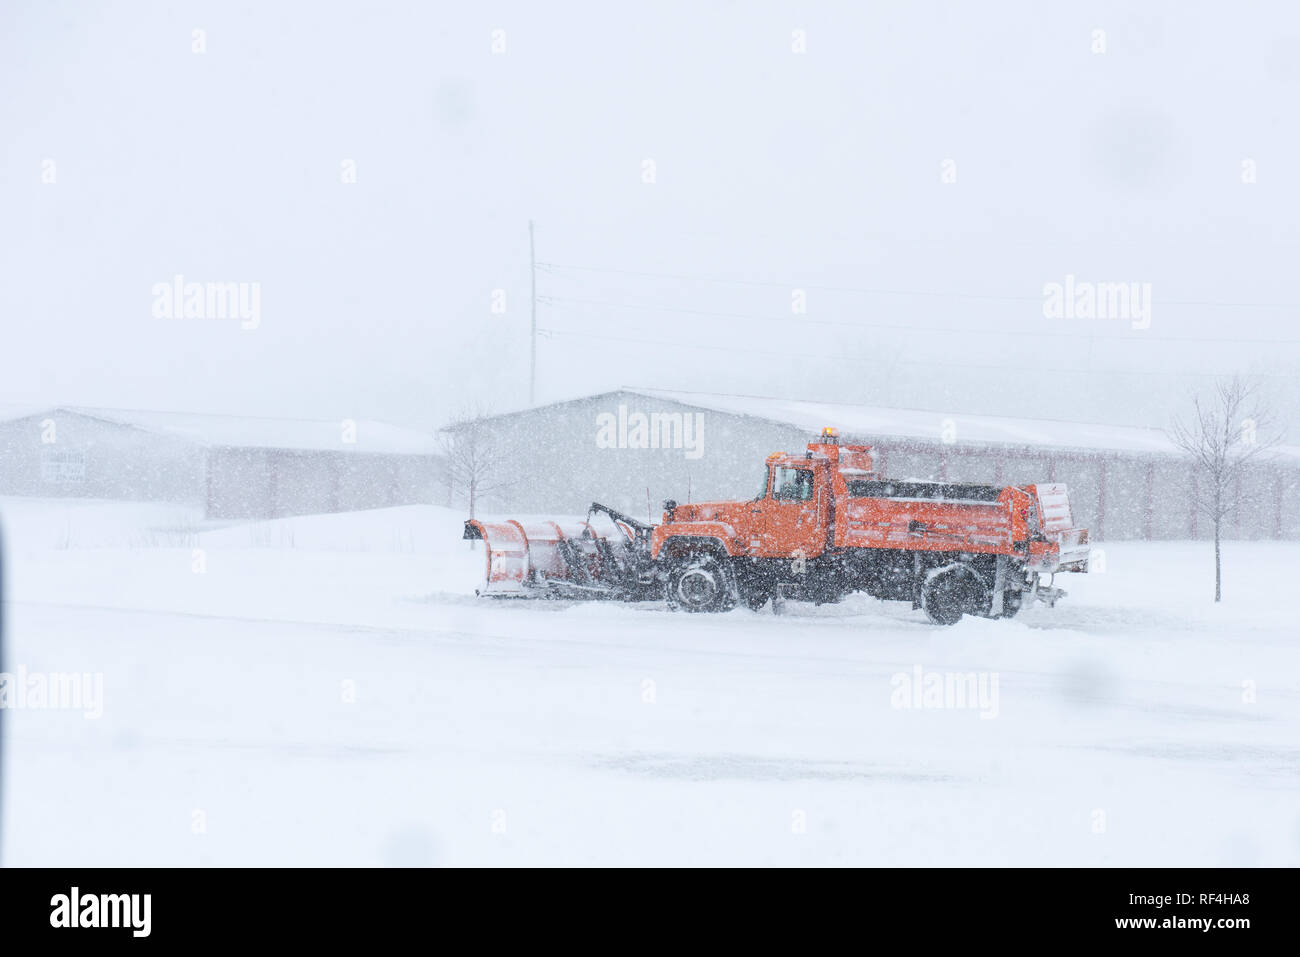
604 556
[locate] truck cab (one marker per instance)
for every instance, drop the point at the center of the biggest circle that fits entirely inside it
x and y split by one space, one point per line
793 509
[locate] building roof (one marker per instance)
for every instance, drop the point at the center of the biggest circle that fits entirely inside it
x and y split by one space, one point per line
875 423
243 431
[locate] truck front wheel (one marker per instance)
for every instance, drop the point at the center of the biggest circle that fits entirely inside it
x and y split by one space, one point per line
950 592
701 583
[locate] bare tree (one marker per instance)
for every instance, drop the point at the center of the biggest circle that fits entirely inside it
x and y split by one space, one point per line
475 458
1223 435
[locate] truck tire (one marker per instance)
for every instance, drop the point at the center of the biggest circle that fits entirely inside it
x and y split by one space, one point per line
951 592
701 583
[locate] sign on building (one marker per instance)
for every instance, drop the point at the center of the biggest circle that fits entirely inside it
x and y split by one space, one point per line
63 466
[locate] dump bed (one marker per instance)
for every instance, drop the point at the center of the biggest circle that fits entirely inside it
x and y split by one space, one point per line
934 516
1033 522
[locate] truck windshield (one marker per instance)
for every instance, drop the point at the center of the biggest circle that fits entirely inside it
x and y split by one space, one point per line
793 485
762 489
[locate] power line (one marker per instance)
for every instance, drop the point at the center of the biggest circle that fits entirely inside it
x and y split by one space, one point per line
1209 304
689 345
905 327
786 285
823 356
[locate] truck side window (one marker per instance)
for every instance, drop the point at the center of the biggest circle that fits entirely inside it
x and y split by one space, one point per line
762 489
793 485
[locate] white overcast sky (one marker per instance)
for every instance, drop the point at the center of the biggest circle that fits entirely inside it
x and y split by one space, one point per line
774 169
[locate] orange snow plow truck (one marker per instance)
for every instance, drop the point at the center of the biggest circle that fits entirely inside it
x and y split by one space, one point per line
823 524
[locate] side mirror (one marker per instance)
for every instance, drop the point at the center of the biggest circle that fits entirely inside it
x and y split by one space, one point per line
670 506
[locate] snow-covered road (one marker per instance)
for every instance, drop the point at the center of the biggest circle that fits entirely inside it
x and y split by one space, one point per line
326 691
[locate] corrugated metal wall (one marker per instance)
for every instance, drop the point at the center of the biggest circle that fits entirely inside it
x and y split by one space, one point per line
272 483
555 466
69 454
269 483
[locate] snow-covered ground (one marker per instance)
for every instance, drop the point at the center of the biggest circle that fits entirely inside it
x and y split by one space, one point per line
327 690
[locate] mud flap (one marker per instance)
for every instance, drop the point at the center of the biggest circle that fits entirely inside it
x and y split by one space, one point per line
999 587
778 599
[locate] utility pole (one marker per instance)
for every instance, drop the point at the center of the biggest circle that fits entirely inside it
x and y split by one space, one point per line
532 347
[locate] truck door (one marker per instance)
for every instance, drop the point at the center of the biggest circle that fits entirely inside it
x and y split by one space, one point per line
789 520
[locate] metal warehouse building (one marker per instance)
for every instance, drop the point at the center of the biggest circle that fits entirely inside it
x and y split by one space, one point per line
233 467
633 448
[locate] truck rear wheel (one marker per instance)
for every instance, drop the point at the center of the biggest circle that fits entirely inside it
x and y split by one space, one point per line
951 592
701 583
